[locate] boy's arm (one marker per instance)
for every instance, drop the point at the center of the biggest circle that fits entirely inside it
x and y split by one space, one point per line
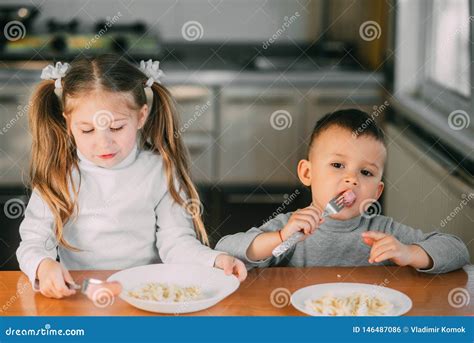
239 244
433 252
262 246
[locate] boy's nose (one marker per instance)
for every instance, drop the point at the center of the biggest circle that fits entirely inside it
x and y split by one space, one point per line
351 180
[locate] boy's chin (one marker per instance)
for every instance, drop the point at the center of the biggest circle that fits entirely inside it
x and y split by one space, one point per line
344 215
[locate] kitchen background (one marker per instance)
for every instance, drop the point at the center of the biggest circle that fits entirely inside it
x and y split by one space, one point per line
251 78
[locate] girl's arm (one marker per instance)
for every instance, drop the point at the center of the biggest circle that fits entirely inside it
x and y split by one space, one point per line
175 236
37 238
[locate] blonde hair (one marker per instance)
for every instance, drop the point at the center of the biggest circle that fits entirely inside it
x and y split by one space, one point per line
54 154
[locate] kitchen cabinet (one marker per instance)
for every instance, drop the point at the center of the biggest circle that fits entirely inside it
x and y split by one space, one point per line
15 139
196 108
259 135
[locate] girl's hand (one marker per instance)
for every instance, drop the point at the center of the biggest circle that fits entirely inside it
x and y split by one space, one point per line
52 278
386 247
306 220
231 265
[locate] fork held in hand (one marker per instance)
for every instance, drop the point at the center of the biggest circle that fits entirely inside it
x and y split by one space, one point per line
334 206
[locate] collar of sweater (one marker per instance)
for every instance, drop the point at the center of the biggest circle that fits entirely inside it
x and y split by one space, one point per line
127 161
348 225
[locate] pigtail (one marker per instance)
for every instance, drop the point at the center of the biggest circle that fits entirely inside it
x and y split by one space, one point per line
52 156
160 131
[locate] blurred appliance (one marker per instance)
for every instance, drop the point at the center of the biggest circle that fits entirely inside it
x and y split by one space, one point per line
67 39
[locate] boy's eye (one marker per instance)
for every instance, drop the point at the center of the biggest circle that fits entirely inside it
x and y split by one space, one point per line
336 165
117 128
366 173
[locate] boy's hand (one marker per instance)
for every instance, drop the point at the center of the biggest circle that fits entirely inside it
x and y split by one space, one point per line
386 247
306 220
52 278
231 265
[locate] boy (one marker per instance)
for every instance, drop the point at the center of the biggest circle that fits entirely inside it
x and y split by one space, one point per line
346 152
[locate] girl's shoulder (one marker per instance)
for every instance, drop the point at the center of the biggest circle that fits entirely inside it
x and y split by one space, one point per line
150 159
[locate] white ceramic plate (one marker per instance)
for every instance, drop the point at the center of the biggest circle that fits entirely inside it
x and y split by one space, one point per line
214 284
401 302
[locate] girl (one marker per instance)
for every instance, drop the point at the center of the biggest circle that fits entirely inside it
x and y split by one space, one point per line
110 177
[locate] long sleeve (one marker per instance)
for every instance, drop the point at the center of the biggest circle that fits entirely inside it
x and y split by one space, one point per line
176 239
448 252
238 244
37 238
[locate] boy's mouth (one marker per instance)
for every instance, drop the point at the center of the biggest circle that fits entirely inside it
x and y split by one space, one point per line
349 197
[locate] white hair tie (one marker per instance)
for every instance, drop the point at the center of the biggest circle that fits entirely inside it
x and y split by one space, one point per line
152 70
57 72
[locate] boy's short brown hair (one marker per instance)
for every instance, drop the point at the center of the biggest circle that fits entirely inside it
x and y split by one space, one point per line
359 122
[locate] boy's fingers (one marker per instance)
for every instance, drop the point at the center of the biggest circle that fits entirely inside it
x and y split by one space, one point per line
313 213
310 219
302 224
379 249
376 235
385 256
368 241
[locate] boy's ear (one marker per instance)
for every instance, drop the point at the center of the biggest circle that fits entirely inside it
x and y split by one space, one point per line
304 172
380 188
142 116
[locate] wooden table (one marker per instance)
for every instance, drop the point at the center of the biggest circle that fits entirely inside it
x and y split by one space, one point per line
429 293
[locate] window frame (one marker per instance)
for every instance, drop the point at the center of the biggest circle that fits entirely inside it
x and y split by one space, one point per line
425 101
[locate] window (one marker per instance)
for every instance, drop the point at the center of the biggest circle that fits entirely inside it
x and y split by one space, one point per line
448 49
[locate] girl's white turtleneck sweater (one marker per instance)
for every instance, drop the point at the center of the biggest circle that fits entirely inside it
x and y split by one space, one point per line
127 218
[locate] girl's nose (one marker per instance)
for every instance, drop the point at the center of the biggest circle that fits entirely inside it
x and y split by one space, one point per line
104 139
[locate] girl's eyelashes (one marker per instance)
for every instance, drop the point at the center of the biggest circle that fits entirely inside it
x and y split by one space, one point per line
113 129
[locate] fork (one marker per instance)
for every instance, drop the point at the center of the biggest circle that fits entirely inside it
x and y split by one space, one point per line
334 206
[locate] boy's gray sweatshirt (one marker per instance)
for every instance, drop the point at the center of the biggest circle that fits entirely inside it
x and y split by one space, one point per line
339 243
